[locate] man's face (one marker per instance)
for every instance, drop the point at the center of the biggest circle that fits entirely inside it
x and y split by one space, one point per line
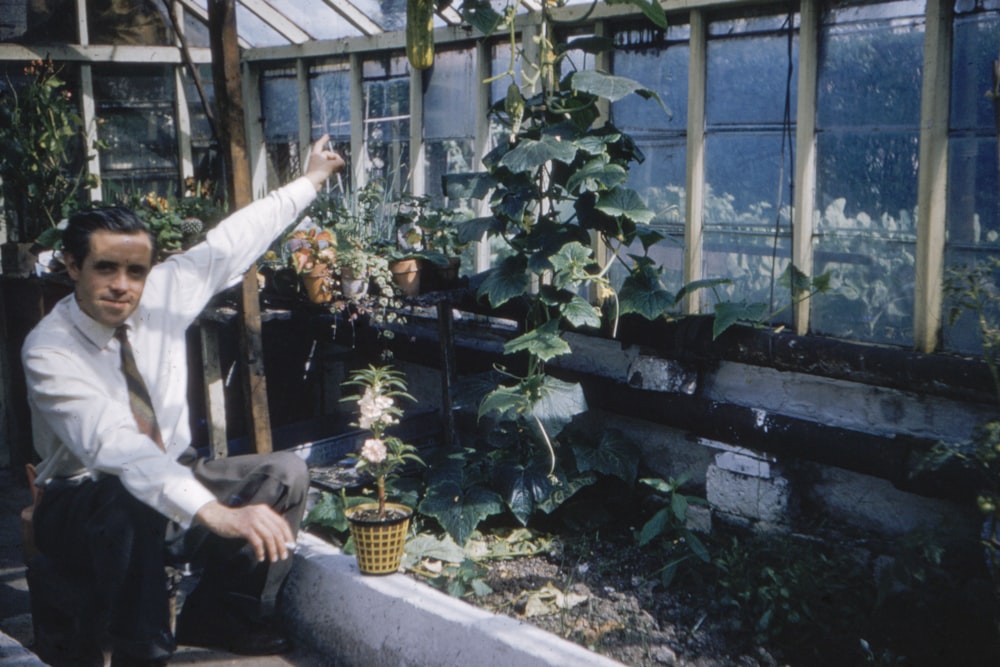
110 281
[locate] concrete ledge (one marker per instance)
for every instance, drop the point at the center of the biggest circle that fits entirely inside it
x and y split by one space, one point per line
364 621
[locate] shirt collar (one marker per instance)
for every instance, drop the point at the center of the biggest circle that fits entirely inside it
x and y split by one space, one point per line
94 331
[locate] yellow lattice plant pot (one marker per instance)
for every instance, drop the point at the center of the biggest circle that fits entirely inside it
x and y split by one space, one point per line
378 543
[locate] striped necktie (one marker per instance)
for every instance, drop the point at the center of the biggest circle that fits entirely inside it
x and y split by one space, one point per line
138 395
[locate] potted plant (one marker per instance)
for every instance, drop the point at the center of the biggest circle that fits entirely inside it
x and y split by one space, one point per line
379 529
313 253
42 140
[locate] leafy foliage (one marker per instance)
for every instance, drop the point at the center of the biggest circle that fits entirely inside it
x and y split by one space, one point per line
43 140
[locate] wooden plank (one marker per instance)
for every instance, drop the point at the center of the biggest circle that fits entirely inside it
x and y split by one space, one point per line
933 176
695 156
229 98
805 155
215 389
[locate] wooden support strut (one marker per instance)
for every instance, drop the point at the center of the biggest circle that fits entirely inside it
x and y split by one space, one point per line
229 100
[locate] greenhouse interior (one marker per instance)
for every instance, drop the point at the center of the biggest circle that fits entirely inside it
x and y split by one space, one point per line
661 332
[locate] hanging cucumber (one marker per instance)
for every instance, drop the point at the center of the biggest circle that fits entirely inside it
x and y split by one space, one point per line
420 33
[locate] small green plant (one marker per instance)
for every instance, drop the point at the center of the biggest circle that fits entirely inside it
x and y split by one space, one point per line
792 592
668 526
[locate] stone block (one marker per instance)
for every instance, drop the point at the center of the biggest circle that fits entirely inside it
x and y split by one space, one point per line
762 499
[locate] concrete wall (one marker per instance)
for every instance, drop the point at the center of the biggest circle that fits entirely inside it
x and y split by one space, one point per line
752 486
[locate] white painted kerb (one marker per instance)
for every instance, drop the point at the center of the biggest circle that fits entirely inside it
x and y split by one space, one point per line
395 621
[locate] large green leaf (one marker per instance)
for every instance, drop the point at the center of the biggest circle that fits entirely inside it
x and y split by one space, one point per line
614 455
543 342
624 202
581 313
641 292
650 8
572 260
530 154
505 282
470 231
458 510
442 548
597 174
727 314
558 402
522 488
480 15
505 401
608 86
564 489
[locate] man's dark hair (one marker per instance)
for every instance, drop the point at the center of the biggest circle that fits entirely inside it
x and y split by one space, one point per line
76 236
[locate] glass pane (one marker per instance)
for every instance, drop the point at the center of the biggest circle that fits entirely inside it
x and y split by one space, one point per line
448 156
135 110
330 101
875 172
872 277
279 101
747 79
663 69
746 205
205 153
255 31
139 22
869 82
448 113
973 181
33 22
866 235
975 51
387 123
501 64
318 19
195 32
870 74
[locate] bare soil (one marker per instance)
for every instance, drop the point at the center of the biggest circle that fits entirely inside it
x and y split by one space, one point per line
607 596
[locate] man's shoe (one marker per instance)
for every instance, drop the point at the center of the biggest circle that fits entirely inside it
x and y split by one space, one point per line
225 631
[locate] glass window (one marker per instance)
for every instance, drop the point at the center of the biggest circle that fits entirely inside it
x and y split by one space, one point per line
449 128
386 90
279 101
750 97
138 22
330 108
973 217
659 61
135 110
204 150
868 115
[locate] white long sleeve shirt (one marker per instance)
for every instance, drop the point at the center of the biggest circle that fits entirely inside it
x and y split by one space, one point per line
81 420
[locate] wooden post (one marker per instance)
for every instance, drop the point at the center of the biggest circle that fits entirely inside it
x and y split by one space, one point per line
232 139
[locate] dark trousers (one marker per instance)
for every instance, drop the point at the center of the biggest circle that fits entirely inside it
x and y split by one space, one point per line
97 529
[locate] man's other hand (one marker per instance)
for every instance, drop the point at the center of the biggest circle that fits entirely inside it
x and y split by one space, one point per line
266 531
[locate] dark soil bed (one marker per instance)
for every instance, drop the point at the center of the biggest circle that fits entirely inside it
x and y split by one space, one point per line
607 594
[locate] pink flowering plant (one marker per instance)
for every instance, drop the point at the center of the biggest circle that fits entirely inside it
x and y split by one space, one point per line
381 455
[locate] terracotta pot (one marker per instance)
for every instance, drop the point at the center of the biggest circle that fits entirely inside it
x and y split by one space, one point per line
436 277
378 543
352 286
318 284
406 274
